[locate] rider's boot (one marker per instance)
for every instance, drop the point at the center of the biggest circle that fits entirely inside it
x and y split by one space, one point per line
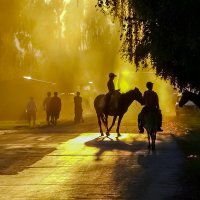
140 123
159 127
140 126
160 121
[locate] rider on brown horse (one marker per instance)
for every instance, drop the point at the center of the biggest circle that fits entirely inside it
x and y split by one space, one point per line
111 91
151 103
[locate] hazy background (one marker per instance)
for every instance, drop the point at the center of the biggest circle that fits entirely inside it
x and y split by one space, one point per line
65 46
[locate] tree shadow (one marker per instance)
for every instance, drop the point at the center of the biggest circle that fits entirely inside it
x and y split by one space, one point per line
15 160
26 148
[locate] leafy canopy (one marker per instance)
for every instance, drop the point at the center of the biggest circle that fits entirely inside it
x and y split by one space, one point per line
167 31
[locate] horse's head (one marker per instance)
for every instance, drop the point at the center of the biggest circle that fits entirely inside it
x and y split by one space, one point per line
138 95
184 98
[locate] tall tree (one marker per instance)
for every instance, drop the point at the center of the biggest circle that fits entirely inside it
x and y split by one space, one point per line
166 31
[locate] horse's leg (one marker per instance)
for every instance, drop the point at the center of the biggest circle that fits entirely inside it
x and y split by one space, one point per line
99 122
153 140
103 119
113 123
148 134
118 125
106 125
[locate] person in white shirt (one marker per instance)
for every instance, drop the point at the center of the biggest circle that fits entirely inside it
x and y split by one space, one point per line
31 110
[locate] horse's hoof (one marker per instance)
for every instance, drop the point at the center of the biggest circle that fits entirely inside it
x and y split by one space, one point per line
102 134
107 133
118 135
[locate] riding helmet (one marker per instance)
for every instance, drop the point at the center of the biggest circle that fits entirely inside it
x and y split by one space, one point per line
112 75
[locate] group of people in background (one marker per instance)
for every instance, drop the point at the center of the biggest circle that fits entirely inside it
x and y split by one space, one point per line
31 110
52 107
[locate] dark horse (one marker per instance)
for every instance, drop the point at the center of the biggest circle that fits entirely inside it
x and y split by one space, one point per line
125 101
151 124
189 96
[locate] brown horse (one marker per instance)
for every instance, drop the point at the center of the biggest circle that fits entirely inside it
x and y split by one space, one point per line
125 101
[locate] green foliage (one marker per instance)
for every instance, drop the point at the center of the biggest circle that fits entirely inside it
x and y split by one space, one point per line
170 35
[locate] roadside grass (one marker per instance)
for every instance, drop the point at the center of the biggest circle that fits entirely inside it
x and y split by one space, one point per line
190 145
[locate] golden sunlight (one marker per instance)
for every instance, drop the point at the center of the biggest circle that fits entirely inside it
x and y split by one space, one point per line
73 45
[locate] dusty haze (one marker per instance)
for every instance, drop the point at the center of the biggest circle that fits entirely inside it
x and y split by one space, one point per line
65 46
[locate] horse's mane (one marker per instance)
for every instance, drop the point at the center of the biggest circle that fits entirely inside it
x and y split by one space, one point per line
127 98
127 94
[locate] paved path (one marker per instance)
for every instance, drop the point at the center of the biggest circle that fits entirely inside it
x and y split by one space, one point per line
47 165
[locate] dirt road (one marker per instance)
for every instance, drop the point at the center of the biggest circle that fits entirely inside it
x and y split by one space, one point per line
73 162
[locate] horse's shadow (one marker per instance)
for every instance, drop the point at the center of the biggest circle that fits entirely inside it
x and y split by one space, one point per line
107 143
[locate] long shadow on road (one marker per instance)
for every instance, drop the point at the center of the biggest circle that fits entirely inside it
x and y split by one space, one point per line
141 174
20 150
154 175
109 144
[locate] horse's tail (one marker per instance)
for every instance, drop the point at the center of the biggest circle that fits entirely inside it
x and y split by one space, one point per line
97 104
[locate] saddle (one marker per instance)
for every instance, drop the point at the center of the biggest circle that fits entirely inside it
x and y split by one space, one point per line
152 119
113 104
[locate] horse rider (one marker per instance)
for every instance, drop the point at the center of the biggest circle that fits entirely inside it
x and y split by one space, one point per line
151 103
111 91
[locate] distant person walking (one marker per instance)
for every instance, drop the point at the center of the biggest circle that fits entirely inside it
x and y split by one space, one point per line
55 108
46 105
78 110
31 110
